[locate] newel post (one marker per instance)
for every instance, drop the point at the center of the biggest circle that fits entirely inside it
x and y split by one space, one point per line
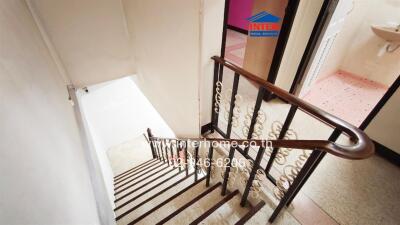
153 152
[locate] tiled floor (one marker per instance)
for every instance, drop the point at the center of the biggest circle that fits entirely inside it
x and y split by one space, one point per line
235 47
340 191
346 96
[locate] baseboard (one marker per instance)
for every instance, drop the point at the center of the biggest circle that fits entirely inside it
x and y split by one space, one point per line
206 128
387 153
237 29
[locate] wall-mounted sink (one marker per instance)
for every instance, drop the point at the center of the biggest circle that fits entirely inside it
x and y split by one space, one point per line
390 34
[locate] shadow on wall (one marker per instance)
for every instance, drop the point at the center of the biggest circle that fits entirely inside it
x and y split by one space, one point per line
117 111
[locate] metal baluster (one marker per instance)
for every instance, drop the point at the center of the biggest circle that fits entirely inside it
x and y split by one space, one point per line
178 155
334 136
151 143
171 154
260 96
232 104
166 151
285 127
214 114
210 156
186 158
227 170
163 150
303 172
159 147
249 183
196 158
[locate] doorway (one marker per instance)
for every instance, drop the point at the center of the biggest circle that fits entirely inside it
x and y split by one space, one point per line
249 40
352 68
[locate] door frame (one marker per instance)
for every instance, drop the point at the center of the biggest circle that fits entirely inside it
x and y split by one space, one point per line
287 23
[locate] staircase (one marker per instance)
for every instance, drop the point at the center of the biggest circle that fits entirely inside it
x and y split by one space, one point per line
157 193
221 180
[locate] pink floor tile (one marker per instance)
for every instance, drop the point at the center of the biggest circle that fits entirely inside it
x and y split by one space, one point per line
235 47
345 95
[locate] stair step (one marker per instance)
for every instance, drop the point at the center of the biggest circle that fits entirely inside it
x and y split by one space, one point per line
161 206
215 207
143 170
194 203
134 168
141 183
130 196
155 171
251 213
150 196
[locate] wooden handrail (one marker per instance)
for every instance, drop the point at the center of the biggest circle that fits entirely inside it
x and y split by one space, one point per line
362 147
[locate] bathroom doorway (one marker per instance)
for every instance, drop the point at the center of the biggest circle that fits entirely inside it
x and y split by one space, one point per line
353 66
258 54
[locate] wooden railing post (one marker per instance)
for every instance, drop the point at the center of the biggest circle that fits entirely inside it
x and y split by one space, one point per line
153 152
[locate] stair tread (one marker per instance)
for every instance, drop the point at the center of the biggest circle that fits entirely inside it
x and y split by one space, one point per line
197 204
136 171
146 176
165 209
253 211
142 181
148 192
228 213
134 168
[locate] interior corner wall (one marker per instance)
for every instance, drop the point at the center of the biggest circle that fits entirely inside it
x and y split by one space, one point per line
44 175
303 25
167 43
385 127
211 36
90 37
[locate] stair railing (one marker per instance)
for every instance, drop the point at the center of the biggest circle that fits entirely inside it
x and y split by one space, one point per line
175 151
361 147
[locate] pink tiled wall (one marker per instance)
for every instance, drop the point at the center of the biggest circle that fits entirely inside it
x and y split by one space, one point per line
239 10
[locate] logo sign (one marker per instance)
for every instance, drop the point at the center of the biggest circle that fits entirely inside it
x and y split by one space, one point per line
264 24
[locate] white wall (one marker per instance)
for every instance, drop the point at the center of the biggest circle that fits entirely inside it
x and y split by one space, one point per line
356 47
167 45
362 54
118 111
211 36
44 175
90 36
303 25
115 112
385 127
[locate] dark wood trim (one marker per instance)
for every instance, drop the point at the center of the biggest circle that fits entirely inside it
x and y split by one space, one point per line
389 93
153 196
139 176
165 202
188 204
238 29
214 207
283 38
152 188
321 24
250 213
137 182
134 168
387 153
134 173
224 28
206 128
